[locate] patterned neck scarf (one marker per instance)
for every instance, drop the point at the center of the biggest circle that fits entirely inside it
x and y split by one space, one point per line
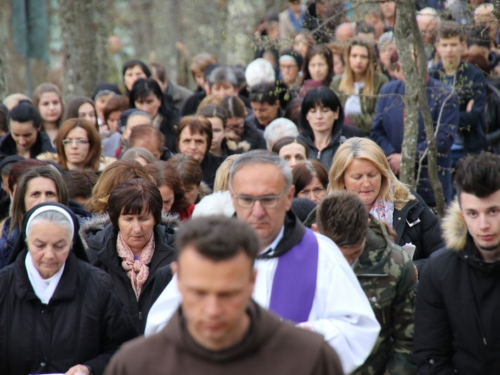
137 270
383 209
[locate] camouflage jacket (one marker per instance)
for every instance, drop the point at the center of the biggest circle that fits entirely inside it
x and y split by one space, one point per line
387 276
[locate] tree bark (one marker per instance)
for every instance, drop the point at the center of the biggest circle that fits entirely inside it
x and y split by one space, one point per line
140 24
103 28
166 18
415 99
3 61
402 32
84 46
242 17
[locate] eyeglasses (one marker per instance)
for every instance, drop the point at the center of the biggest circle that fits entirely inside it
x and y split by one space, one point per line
79 141
267 201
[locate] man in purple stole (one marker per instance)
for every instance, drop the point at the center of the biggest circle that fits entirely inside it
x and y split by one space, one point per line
301 276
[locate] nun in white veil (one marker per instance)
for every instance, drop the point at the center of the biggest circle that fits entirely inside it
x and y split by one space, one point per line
58 313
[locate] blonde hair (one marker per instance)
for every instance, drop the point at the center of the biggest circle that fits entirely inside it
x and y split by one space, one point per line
346 85
222 176
366 149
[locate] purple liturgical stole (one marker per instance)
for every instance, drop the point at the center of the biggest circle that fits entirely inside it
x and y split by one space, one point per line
294 283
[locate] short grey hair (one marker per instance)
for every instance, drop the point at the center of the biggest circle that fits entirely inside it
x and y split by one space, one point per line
279 128
428 13
138 112
262 157
386 38
223 73
53 217
260 71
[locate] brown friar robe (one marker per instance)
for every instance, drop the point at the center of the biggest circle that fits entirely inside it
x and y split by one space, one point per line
270 347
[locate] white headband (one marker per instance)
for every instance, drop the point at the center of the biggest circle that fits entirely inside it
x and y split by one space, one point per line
51 208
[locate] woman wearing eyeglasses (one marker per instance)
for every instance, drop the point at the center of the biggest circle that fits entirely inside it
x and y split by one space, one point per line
78 146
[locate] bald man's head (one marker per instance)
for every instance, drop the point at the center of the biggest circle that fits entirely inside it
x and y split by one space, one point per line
483 15
344 32
428 24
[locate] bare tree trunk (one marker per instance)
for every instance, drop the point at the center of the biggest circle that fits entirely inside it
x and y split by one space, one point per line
140 24
242 17
103 27
3 83
415 99
84 46
165 16
203 30
12 72
3 62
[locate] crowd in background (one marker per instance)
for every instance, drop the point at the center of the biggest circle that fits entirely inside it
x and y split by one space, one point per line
325 94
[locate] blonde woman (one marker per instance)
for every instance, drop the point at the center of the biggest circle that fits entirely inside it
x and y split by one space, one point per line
360 167
360 84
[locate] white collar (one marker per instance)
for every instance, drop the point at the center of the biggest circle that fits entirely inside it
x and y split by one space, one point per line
44 288
270 249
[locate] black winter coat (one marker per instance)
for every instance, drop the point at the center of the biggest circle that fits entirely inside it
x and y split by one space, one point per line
457 329
253 136
84 322
326 155
209 166
102 253
492 118
416 223
171 117
42 144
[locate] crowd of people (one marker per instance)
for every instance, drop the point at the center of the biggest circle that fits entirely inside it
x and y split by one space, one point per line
152 229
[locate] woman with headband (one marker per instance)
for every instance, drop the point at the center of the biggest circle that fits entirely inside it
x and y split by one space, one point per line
59 314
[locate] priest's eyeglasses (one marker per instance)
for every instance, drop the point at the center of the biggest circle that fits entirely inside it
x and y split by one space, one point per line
267 201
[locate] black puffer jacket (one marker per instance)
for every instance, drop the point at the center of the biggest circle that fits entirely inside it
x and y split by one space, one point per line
457 330
84 322
416 223
100 238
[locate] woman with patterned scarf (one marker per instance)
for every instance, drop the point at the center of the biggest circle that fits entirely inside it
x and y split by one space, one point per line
133 246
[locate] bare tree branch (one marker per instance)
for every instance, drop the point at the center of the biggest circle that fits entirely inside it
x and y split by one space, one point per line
415 99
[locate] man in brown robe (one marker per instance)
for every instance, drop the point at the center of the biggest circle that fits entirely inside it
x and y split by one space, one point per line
219 329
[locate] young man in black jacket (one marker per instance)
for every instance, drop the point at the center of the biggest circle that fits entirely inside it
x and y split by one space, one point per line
457 329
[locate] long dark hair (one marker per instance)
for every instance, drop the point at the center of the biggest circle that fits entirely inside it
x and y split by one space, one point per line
145 86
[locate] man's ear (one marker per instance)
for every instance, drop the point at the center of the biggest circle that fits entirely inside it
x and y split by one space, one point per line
315 228
277 103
